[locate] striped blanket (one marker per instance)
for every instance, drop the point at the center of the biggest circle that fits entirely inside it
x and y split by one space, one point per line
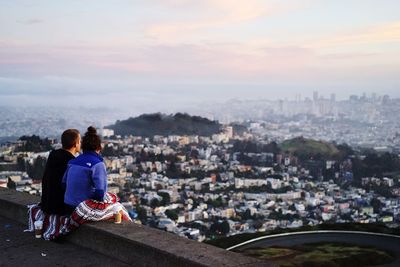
89 210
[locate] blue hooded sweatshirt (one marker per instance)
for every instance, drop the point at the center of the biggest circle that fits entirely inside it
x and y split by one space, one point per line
85 178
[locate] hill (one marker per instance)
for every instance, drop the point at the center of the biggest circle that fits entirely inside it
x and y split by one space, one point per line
307 148
161 124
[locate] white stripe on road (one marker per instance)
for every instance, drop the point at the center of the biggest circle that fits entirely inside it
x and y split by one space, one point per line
309 232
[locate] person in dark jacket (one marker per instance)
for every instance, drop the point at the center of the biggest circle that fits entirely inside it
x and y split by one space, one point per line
86 175
52 201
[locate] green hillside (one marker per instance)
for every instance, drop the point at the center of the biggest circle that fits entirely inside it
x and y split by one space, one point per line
162 124
308 148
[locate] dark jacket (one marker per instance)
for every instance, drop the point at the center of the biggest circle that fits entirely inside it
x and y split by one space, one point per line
52 191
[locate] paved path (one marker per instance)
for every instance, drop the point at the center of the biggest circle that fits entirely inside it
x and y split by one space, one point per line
22 249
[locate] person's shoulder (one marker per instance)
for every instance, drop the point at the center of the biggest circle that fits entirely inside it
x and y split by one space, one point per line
96 159
87 160
62 154
56 154
53 152
59 152
77 160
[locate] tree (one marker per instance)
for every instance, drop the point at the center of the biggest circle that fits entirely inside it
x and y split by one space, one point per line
225 229
34 144
143 201
247 215
258 224
344 151
128 186
277 168
142 214
154 203
220 228
11 184
292 207
166 199
382 190
172 214
36 170
109 151
376 204
172 170
216 203
21 163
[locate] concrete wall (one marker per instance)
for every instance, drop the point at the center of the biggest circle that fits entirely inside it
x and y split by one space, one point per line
134 244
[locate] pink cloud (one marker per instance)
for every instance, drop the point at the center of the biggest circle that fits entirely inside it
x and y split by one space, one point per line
213 62
135 67
211 13
377 34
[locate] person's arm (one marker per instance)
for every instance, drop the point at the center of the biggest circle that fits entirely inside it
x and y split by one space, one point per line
99 176
45 180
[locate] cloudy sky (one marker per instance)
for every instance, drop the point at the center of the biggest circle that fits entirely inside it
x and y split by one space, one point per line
172 52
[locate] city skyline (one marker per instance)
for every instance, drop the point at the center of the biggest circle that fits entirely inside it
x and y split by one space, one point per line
176 52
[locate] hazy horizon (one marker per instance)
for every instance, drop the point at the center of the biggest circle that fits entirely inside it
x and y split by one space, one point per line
175 53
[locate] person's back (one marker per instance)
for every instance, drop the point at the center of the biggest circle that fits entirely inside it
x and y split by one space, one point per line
52 200
86 176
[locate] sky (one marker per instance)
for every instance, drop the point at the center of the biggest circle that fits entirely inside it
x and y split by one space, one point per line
163 53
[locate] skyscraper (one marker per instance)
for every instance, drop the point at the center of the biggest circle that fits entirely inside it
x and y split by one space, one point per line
315 96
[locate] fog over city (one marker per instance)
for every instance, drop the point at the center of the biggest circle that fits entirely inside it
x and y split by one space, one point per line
166 98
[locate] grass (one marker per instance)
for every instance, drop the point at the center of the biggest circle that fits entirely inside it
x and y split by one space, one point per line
270 253
322 254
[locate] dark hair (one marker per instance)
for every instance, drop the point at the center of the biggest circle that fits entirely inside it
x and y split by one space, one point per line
69 138
91 141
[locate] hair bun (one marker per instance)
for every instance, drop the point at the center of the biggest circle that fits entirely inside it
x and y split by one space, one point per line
91 130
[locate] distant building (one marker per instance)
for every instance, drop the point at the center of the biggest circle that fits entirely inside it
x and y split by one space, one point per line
107 132
229 131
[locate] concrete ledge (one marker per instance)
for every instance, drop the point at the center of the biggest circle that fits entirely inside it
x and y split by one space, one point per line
133 244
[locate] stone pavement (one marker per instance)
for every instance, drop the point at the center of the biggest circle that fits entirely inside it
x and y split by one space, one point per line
23 249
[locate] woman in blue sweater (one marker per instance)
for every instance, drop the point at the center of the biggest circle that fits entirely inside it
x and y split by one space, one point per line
86 175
